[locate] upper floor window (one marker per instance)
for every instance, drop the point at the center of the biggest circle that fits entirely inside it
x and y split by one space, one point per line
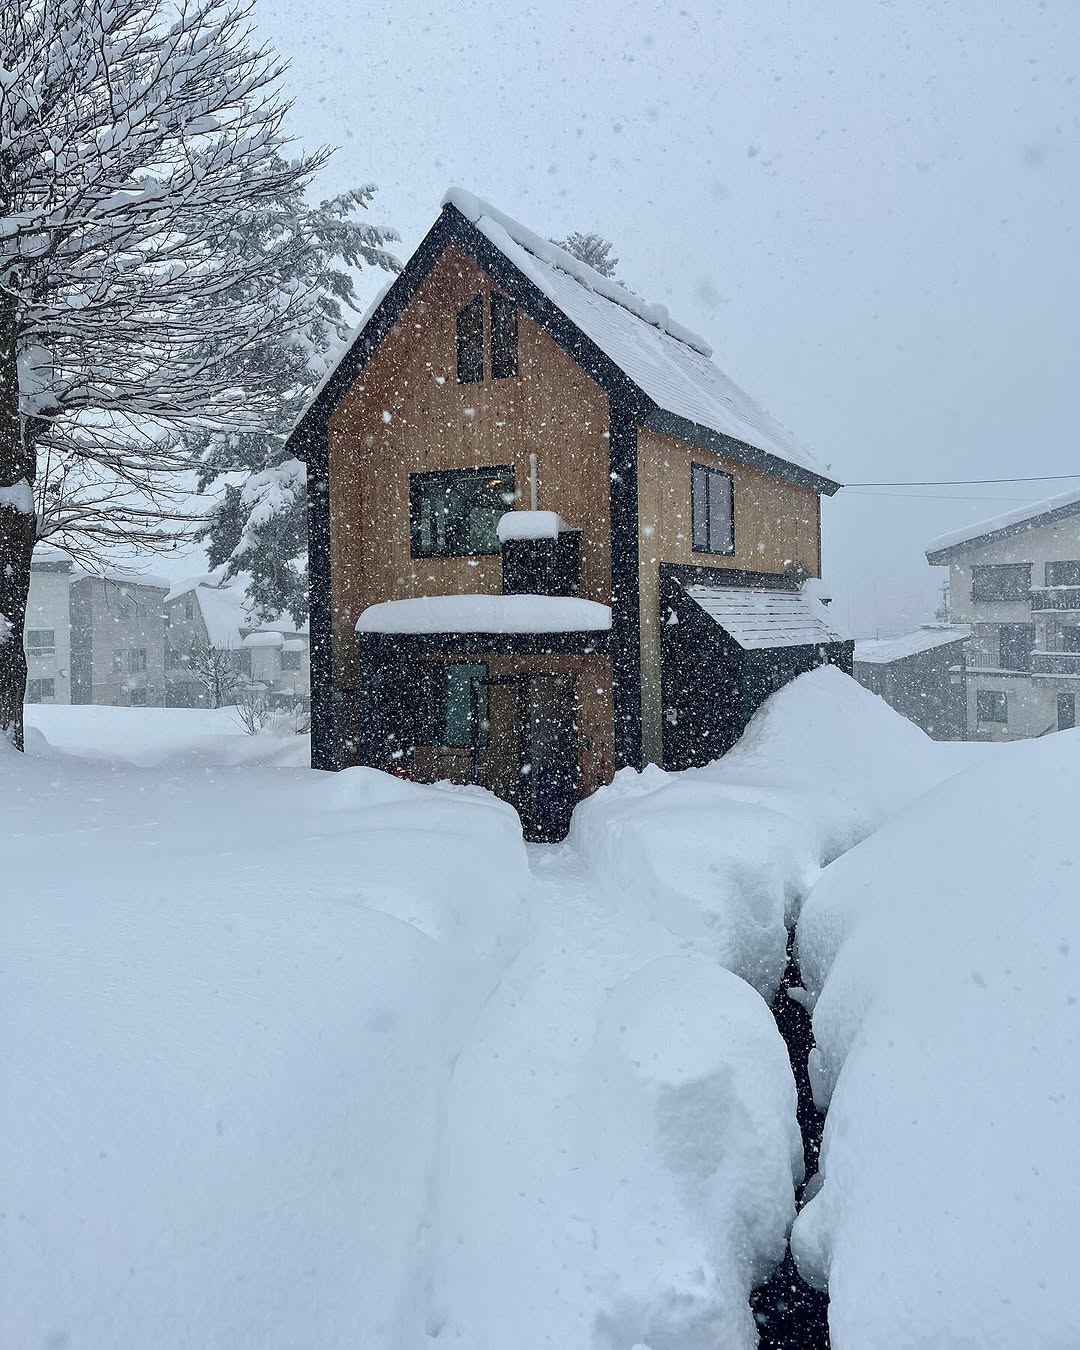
1063 573
41 642
455 513
712 510
470 342
189 608
504 337
1001 581
1015 643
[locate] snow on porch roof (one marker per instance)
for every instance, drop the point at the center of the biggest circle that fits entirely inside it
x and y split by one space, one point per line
486 614
670 364
882 651
759 619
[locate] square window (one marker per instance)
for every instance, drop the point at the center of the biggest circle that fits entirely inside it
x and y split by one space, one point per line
1015 643
1063 573
1070 638
138 698
1001 581
712 513
991 705
41 642
41 691
456 514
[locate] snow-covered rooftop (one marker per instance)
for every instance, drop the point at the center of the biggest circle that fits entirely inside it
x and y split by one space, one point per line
665 360
882 651
120 576
530 525
765 618
1007 521
486 614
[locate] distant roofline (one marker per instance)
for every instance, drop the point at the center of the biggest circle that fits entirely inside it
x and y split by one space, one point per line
942 549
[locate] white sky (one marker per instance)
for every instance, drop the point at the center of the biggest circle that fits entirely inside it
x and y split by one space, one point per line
868 208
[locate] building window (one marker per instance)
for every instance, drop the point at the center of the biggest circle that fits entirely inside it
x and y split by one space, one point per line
470 342
41 642
189 608
466 706
712 510
291 660
1069 638
456 514
504 337
1063 573
1001 581
119 660
1015 641
1066 711
136 660
991 705
41 691
138 698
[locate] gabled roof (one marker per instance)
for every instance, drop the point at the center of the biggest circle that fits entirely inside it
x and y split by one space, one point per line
620 339
758 618
883 651
1009 522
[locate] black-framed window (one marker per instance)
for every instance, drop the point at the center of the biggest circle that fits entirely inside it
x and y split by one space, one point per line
40 691
504 337
991 705
470 342
712 510
136 662
1001 581
455 513
466 706
1069 638
1064 573
1066 711
1015 642
41 642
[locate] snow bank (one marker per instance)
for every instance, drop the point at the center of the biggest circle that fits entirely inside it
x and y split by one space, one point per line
723 855
945 957
232 1000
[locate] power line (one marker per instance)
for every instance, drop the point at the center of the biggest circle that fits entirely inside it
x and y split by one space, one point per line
970 482
935 496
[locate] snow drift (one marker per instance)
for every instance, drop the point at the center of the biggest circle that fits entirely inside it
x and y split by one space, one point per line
944 954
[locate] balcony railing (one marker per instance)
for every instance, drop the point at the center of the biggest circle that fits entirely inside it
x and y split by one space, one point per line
1055 663
1055 597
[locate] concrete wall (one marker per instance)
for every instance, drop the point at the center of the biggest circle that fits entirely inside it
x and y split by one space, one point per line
110 619
48 608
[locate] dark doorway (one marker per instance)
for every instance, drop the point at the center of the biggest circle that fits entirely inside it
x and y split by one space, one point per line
1066 711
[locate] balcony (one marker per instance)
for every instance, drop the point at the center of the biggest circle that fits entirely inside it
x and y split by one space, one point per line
1055 663
1045 598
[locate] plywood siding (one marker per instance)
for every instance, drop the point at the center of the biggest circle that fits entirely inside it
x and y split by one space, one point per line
407 413
776 523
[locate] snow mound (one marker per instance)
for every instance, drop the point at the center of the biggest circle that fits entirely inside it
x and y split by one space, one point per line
694 1152
723 855
944 955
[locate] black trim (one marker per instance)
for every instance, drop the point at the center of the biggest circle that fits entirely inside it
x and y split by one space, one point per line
325 743
742 452
690 574
625 585
711 473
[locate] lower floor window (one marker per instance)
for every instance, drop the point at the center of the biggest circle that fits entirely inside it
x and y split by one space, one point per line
40 691
466 705
138 698
991 705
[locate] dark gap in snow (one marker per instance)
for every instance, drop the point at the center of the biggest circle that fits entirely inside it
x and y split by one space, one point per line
790 1314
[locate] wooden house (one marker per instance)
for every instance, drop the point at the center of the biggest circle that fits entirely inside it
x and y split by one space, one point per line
548 536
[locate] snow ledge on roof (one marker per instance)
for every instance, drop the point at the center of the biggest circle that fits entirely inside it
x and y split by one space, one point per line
486 614
530 525
474 208
1005 521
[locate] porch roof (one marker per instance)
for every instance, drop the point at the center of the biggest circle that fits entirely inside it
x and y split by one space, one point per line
758 619
486 614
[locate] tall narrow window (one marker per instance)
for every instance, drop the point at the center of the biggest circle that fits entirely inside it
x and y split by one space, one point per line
504 337
470 342
712 510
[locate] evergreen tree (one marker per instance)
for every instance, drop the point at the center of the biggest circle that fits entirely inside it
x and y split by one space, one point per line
593 250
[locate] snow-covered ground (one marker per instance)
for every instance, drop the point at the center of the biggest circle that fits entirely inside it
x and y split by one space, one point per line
300 1059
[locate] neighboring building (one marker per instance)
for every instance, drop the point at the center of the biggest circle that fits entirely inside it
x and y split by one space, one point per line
47 634
216 653
641 616
1016 580
921 675
117 639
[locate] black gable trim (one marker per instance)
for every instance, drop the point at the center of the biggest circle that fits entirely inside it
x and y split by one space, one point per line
687 574
939 556
681 429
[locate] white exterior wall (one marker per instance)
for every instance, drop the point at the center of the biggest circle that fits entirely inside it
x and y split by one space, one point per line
1032 700
49 607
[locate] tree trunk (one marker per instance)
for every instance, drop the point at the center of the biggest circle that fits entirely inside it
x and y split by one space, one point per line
18 528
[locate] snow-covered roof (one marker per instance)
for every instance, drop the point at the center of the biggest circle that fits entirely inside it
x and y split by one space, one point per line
665 360
1009 522
264 637
486 614
121 576
767 618
223 607
883 651
530 525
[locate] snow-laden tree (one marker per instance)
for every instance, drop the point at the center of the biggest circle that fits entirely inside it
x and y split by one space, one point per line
141 144
260 524
593 250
